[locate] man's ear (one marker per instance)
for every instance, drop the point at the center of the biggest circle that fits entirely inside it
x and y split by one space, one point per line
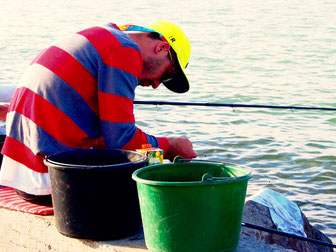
162 46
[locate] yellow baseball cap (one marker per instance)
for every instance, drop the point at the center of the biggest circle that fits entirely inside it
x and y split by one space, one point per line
174 35
181 46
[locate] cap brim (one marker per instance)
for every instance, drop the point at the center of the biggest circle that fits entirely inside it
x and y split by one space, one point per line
179 83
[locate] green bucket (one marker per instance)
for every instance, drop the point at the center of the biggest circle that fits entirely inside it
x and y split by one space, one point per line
192 206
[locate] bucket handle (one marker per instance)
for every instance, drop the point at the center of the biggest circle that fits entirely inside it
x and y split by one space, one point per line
180 159
208 177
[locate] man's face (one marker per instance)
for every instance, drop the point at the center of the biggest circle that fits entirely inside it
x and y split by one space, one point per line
155 70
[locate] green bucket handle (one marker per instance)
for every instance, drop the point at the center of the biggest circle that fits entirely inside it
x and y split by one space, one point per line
207 177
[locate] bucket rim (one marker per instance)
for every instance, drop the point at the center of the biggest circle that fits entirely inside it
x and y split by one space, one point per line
63 166
245 177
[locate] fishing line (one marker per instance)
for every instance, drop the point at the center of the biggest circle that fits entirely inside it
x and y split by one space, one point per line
248 225
231 105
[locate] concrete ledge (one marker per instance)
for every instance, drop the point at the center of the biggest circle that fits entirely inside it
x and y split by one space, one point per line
26 232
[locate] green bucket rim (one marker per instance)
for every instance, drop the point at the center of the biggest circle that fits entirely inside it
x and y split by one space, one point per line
228 180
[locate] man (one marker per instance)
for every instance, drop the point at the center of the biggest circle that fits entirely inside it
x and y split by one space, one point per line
78 93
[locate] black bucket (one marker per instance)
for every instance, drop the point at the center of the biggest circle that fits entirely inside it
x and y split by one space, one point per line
94 196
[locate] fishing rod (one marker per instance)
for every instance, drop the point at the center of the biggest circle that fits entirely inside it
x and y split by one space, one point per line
249 225
231 105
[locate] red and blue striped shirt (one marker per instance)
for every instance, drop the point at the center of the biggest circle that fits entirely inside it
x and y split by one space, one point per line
77 93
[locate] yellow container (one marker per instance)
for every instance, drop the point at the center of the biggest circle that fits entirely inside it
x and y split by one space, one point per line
155 155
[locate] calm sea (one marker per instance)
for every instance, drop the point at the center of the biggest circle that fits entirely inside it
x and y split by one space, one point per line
271 52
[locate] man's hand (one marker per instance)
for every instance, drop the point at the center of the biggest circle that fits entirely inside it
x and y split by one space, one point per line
179 146
3 111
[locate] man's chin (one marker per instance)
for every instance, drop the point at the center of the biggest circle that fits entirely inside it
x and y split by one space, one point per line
146 83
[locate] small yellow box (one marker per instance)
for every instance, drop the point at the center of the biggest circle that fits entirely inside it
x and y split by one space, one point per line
155 155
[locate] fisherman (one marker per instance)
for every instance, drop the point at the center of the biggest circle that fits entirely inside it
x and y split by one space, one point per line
78 94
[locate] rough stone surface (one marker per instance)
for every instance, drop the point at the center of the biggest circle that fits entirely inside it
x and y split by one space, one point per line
27 232
258 214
